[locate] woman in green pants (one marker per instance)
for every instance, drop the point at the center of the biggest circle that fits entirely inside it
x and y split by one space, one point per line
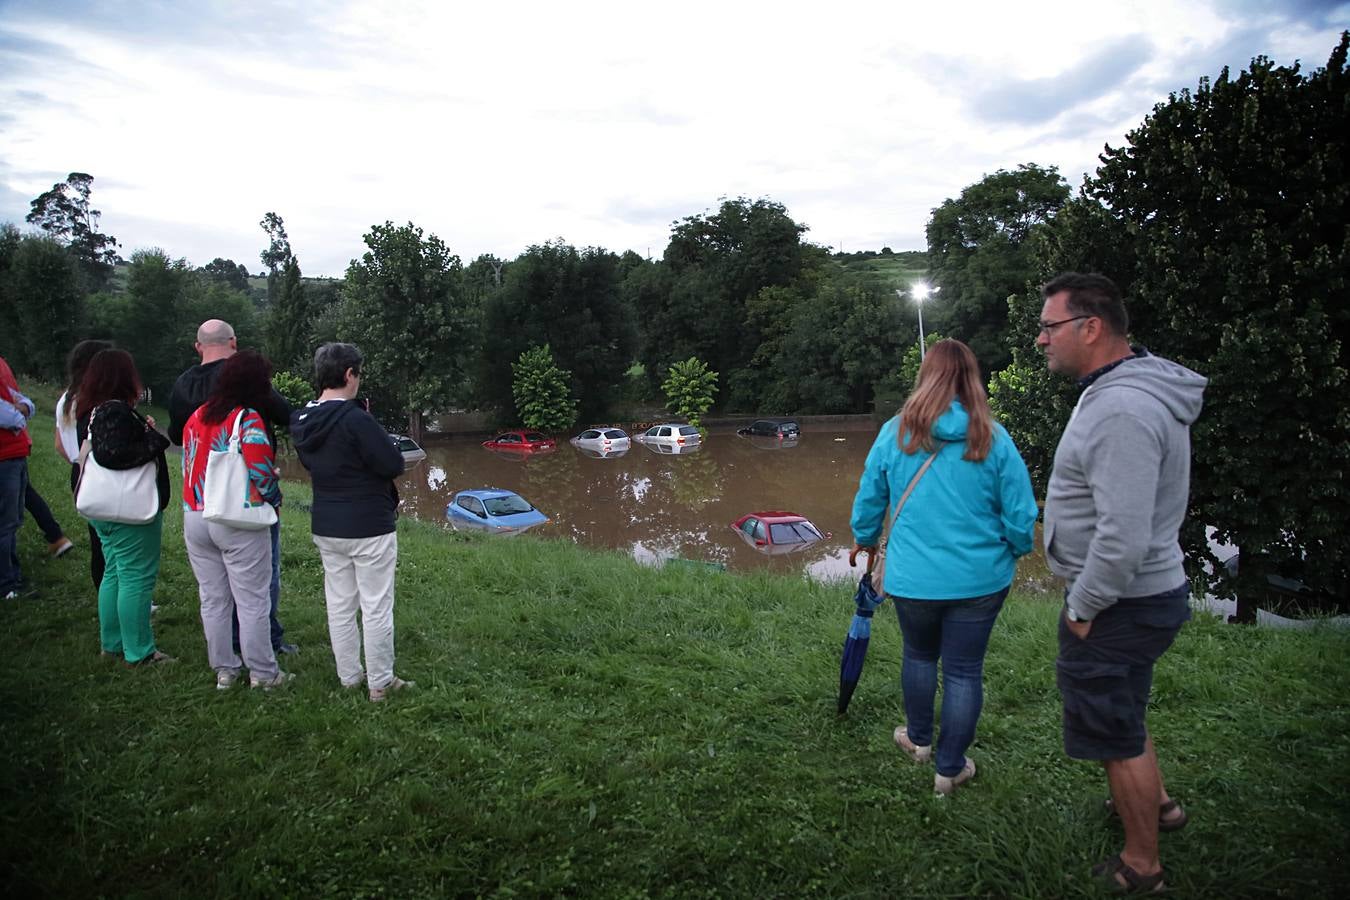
121 438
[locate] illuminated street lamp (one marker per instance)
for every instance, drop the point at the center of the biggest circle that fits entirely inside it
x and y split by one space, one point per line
920 292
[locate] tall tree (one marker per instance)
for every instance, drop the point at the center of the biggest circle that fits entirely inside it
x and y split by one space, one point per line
1225 217
227 272
978 252
288 313
42 304
403 305
66 214
717 262
571 300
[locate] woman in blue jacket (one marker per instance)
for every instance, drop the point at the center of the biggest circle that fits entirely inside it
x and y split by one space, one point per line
952 549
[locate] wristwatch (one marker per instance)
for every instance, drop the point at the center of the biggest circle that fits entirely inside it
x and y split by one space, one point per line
1073 616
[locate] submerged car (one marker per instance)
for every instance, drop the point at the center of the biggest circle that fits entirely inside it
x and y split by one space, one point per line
602 440
493 510
410 449
670 435
776 428
521 441
774 532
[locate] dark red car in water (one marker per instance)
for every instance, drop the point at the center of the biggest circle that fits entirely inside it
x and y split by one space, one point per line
776 531
524 441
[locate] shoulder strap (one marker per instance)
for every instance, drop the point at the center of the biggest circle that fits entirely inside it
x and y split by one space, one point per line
909 489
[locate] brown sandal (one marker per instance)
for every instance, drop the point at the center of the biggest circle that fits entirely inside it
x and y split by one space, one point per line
1165 824
1133 882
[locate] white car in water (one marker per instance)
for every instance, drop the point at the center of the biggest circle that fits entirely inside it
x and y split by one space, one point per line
604 441
670 437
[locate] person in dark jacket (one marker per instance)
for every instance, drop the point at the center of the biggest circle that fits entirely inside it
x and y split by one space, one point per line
121 438
215 344
352 464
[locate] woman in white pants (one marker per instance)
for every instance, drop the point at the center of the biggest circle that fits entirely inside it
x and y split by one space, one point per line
352 463
233 565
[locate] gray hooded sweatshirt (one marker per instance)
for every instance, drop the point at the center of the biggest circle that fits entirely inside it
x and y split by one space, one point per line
1119 489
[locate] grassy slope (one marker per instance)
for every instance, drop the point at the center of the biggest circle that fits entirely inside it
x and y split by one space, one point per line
582 725
897 271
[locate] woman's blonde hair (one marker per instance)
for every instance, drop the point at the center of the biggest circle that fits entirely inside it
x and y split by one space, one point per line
949 371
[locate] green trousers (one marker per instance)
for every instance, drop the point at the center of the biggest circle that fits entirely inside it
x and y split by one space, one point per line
131 553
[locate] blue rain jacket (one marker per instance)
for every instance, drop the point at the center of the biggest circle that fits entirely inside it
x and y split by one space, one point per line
965 524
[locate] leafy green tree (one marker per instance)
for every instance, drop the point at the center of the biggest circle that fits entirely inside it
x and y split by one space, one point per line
289 314
228 272
571 300
690 387
1224 219
716 264
42 305
978 252
403 305
295 389
65 213
542 394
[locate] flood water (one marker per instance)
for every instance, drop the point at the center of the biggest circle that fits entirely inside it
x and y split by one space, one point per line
656 506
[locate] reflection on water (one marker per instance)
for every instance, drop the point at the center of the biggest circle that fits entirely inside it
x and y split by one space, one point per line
658 506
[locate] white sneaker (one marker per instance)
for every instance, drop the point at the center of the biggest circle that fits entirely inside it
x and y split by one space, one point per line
946 786
920 754
225 679
282 679
377 695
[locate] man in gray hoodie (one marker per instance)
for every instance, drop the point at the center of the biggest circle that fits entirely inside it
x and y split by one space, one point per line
1113 509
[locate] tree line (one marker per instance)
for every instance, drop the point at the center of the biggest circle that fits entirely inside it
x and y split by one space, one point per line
1222 216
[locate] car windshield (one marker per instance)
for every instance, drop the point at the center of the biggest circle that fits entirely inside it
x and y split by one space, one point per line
615 435
589 435
688 430
793 533
506 506
535 437
407 444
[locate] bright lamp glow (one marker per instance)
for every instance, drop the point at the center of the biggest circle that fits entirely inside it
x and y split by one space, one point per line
920 291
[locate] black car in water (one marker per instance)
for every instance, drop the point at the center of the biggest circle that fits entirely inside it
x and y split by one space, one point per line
780 428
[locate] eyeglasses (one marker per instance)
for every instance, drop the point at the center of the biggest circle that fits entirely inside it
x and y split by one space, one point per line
1048 328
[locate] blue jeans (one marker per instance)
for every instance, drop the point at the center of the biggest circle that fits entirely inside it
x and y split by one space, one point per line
13 485
957 632
278 633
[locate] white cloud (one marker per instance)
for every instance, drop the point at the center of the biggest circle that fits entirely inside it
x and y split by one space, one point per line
501 126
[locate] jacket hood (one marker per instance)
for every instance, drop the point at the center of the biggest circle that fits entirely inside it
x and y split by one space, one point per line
1180 390
313 423
952 425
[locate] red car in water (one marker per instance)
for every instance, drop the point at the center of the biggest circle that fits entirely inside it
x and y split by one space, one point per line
776 531
526 441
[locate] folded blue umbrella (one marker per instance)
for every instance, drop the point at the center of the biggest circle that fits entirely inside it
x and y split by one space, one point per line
866 600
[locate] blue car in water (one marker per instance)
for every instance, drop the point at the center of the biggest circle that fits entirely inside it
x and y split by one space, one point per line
493 510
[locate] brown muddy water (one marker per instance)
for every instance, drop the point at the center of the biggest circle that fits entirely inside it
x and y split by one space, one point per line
656 506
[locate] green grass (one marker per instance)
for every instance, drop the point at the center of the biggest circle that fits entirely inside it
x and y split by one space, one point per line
585 726
899 271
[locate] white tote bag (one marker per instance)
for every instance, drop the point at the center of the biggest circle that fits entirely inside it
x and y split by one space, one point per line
128 496
226 493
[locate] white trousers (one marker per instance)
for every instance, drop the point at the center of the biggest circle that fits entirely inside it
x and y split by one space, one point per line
358 574
234 578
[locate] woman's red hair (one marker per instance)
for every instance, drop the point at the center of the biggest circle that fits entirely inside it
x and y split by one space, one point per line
111 375
949 371
244 380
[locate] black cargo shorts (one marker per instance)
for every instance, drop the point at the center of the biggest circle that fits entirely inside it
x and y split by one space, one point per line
1105 680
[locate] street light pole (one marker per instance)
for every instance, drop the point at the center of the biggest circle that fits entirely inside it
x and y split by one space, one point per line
919 292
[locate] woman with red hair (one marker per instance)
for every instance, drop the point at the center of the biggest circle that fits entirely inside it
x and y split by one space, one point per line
15 445
121 438
234 565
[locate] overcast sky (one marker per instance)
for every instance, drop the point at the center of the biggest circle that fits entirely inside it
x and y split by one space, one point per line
497 126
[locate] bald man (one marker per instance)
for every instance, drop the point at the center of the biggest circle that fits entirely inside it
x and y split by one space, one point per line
215 344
